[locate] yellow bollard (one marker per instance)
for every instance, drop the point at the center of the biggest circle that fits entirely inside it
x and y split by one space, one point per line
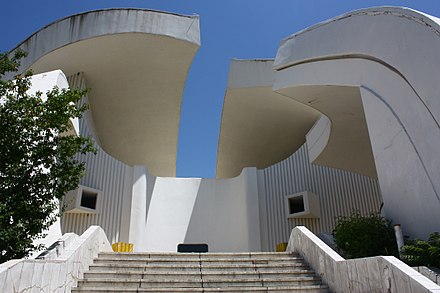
281 247
122 247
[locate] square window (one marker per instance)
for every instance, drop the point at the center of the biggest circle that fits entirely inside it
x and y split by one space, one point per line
296 204
89 199
83 200
303 205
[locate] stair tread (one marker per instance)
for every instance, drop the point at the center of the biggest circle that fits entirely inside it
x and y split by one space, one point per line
219 272
224 289
159 280
200 272
213 259
197 265
235 254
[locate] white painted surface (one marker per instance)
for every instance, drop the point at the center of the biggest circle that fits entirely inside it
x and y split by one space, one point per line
310 201
103 172
259 127
373 274
138 208
45 82
391 55
169 212
339 192
113 47
226 214
100 23
55 275
221 213
317 138
158 213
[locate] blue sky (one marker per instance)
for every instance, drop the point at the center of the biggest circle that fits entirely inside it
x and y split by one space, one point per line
244 29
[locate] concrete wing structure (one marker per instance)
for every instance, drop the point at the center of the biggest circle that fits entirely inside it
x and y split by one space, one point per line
259 126
384 62
135 62
357 95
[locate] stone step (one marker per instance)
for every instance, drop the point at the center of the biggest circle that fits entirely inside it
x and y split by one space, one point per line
221 255
199 272
210 275
144 257
121 267
237 289
197 283
202 261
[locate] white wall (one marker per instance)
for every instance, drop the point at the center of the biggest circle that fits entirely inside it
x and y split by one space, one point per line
221 213
391 55
112 177
340 193
226 214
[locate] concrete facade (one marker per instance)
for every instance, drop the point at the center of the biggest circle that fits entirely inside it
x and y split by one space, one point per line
395 78
338 113
372 274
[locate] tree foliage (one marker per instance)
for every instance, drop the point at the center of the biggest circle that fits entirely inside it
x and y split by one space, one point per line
419 252
364 236
37 161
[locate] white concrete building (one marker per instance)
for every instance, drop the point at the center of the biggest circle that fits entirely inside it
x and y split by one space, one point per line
344 118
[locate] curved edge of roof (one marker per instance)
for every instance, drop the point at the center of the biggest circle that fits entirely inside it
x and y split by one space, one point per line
195 16
248 92
410 13
88 29
229 81
185 28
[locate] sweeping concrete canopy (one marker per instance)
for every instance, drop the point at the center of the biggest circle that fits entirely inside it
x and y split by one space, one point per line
135 62
259 126
386 59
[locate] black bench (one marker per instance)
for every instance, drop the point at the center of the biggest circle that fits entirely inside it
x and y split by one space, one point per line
193 247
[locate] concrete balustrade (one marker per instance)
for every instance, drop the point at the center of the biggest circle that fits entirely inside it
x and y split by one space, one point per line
66 264
372 274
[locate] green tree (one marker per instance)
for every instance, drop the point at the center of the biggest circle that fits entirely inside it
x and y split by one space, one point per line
419 252
363 236
37 158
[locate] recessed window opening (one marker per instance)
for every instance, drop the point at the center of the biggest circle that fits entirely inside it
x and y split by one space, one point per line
296 204
89 199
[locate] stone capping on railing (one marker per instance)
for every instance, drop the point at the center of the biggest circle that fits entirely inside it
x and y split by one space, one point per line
372 274
59 274
431 273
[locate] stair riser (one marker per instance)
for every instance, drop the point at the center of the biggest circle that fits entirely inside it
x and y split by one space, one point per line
194 284
229 290
195 276
197 263
202 255
195 257
218 272
205 269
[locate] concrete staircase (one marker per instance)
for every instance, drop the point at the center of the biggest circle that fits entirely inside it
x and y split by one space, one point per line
199 272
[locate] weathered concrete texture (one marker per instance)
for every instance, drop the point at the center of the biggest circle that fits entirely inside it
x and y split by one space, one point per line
378 53
373 274
58 274
200 272
430 274
136 62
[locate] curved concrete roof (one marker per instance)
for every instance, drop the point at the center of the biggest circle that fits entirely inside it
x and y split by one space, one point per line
391 57
135 62
372 34
259 127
